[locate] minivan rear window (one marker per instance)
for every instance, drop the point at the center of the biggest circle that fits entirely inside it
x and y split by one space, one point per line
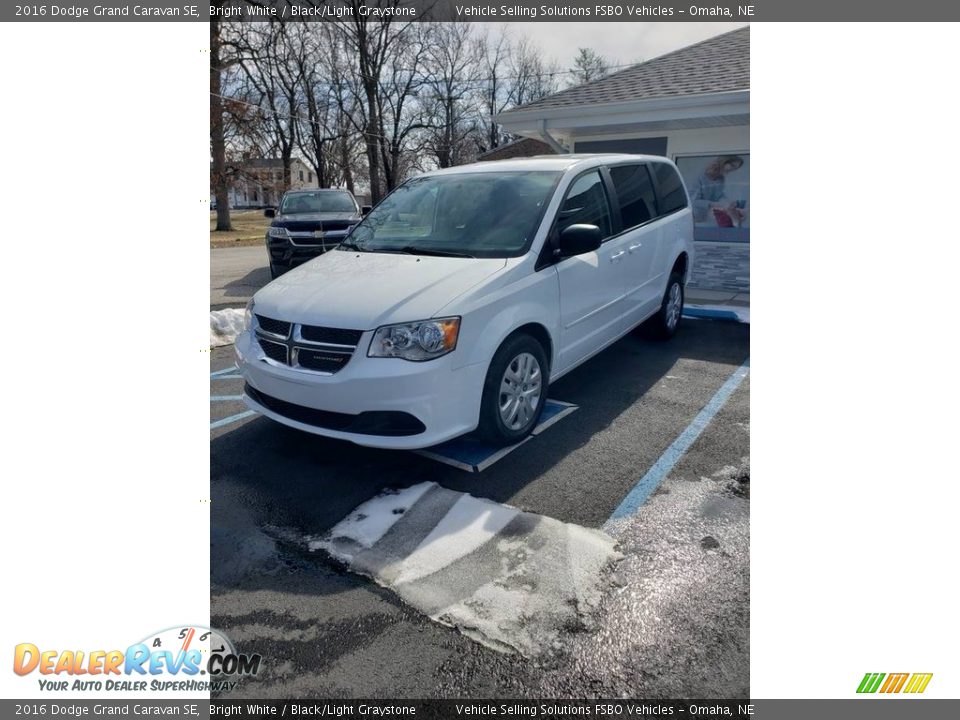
670 190
635 194
484 214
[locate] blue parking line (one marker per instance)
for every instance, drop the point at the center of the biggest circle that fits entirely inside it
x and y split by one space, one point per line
226 377
671 456
713 314
231 419
224 371
225 398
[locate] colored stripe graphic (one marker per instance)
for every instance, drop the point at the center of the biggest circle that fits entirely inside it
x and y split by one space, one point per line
870 682
918 682
894 682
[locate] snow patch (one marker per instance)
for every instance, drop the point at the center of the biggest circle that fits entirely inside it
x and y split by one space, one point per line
511 580
225 325
370 521
470 523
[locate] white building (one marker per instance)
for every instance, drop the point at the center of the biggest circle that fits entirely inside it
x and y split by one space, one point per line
259 182
691 105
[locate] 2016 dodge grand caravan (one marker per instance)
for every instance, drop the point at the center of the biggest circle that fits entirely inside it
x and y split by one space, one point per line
457 301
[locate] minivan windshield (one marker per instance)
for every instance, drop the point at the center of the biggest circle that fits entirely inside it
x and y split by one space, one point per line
317 202
484 214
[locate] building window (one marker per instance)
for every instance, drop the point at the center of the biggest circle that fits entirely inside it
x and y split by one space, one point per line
635 194
301 176
719 187
310 176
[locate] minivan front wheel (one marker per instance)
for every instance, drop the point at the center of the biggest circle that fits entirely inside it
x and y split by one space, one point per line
515 391
665 323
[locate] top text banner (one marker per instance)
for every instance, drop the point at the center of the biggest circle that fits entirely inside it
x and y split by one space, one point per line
476 11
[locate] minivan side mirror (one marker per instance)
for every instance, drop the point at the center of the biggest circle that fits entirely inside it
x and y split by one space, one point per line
365 210
579 239
270 213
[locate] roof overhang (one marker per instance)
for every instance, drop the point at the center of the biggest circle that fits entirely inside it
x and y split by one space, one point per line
663 113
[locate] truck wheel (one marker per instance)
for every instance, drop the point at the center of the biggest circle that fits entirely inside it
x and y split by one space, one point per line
514 391
276 271
664 324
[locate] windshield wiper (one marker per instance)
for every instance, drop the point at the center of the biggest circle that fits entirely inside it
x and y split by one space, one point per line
351 246
414 250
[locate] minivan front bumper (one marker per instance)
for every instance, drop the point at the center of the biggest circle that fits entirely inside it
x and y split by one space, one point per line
376 402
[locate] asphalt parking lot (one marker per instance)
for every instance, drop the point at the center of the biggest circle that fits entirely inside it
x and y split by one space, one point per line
676 624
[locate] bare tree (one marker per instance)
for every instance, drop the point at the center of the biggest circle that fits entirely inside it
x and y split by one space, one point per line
218 147
492 91
452 76
372 41
319 128
272 67
531 78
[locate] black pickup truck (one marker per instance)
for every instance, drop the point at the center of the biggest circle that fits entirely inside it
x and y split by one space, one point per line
307 224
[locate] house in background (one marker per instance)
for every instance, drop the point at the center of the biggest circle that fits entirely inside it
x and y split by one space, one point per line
521 147
691 105
259 182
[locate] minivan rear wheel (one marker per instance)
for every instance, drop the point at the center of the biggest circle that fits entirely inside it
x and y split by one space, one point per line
664 324
515 391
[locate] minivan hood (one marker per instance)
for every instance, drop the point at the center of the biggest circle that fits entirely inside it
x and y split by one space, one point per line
362 291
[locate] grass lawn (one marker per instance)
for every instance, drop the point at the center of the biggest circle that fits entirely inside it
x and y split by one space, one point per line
249 228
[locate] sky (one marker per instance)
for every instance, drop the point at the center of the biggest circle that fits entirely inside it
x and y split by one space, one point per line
625 42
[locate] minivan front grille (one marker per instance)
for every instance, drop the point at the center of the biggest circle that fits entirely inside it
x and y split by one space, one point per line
330 336
274 327
274 350
307 347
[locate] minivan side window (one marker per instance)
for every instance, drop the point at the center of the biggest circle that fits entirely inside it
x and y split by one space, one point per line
670 188
635 194
586 203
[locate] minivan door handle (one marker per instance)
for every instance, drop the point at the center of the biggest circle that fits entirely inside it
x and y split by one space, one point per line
635 247
616 256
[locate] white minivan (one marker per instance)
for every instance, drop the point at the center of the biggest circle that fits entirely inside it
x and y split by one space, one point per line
460 297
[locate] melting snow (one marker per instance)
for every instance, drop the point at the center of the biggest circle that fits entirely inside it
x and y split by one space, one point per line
225 325
506 578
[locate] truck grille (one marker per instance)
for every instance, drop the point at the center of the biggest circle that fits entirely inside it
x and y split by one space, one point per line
306 347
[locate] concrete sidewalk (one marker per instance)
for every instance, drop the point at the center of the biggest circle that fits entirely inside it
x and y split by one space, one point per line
699 296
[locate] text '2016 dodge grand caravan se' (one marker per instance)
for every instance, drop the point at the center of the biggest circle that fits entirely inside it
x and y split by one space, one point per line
464 293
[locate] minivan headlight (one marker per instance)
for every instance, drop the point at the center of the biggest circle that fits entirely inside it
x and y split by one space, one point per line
281 233
416 341
248 316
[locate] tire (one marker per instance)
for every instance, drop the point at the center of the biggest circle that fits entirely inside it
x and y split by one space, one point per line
665 323
276 271
507 418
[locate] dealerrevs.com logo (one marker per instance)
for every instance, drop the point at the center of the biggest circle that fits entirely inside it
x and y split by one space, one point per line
182 659
910 683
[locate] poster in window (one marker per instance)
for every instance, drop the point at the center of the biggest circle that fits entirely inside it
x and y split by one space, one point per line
719 187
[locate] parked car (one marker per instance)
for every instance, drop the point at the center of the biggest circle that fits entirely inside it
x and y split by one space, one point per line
457 301
307 224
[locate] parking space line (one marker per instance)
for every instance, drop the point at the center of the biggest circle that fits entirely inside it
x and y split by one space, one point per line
224 371
227 377
671 456
232 419
225 398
